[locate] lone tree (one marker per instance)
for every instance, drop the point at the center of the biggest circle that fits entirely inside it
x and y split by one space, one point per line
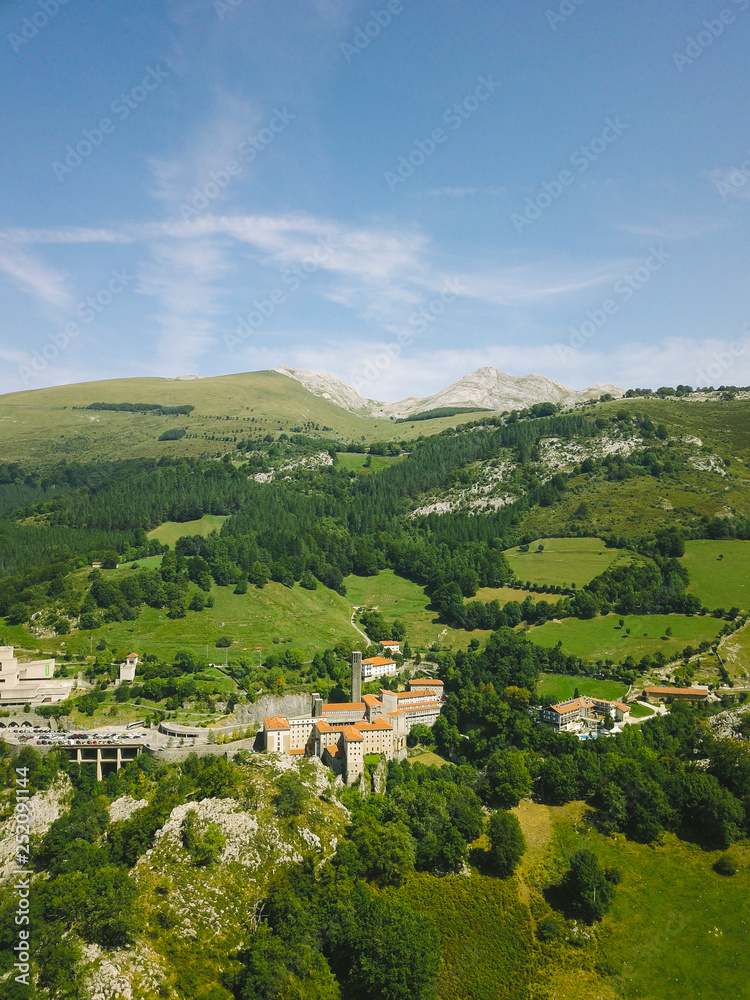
587 890
507 843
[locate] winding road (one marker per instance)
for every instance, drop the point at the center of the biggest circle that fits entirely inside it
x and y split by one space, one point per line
355 626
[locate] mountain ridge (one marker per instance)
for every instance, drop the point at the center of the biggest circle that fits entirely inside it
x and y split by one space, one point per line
485 388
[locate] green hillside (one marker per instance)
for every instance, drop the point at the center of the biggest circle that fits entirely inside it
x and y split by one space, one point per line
48 424
719 572
562 562
602 637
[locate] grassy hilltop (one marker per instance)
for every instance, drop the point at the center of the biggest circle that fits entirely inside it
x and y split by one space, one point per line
48 424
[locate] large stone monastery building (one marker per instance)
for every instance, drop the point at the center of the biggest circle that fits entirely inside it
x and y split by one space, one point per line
343 734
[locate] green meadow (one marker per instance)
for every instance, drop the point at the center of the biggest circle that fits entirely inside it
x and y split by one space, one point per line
563 561
505 594
170 531
561 687
486 934
719 572
601 638
396 597
307 620
676 930
355 462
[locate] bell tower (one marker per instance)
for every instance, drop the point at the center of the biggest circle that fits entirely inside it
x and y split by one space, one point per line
356 676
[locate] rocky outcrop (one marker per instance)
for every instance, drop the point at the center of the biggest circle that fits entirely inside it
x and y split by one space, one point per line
486 388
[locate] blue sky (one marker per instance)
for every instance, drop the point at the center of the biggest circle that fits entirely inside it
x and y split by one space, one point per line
396 193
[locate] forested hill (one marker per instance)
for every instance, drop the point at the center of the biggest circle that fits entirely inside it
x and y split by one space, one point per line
440 511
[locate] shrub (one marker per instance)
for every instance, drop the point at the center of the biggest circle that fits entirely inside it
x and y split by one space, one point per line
292 795
206 843
613 875
726 865
550 928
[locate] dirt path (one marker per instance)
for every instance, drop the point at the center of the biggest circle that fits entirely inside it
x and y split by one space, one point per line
356 627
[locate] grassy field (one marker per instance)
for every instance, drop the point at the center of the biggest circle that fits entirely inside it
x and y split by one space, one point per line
170 531
563 562
307 620
642 503
719 572
601 638
735 651
427 757
488 947
352 461
563 687
505 594
396 597
676 930
42 425
638 711
298 618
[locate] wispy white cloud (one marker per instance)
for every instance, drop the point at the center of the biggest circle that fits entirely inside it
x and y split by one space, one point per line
672 229
208 148
36 278
380 274
71 234
184 280
538 282
459 192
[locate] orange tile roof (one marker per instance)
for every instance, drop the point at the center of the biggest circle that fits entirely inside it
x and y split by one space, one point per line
397 712
621 705
426 680
132 656
276 722
344 706
573 705
390 642
371 700
369 726
322 726
296 753
415 694
333 750
378 661
670 690
351 734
